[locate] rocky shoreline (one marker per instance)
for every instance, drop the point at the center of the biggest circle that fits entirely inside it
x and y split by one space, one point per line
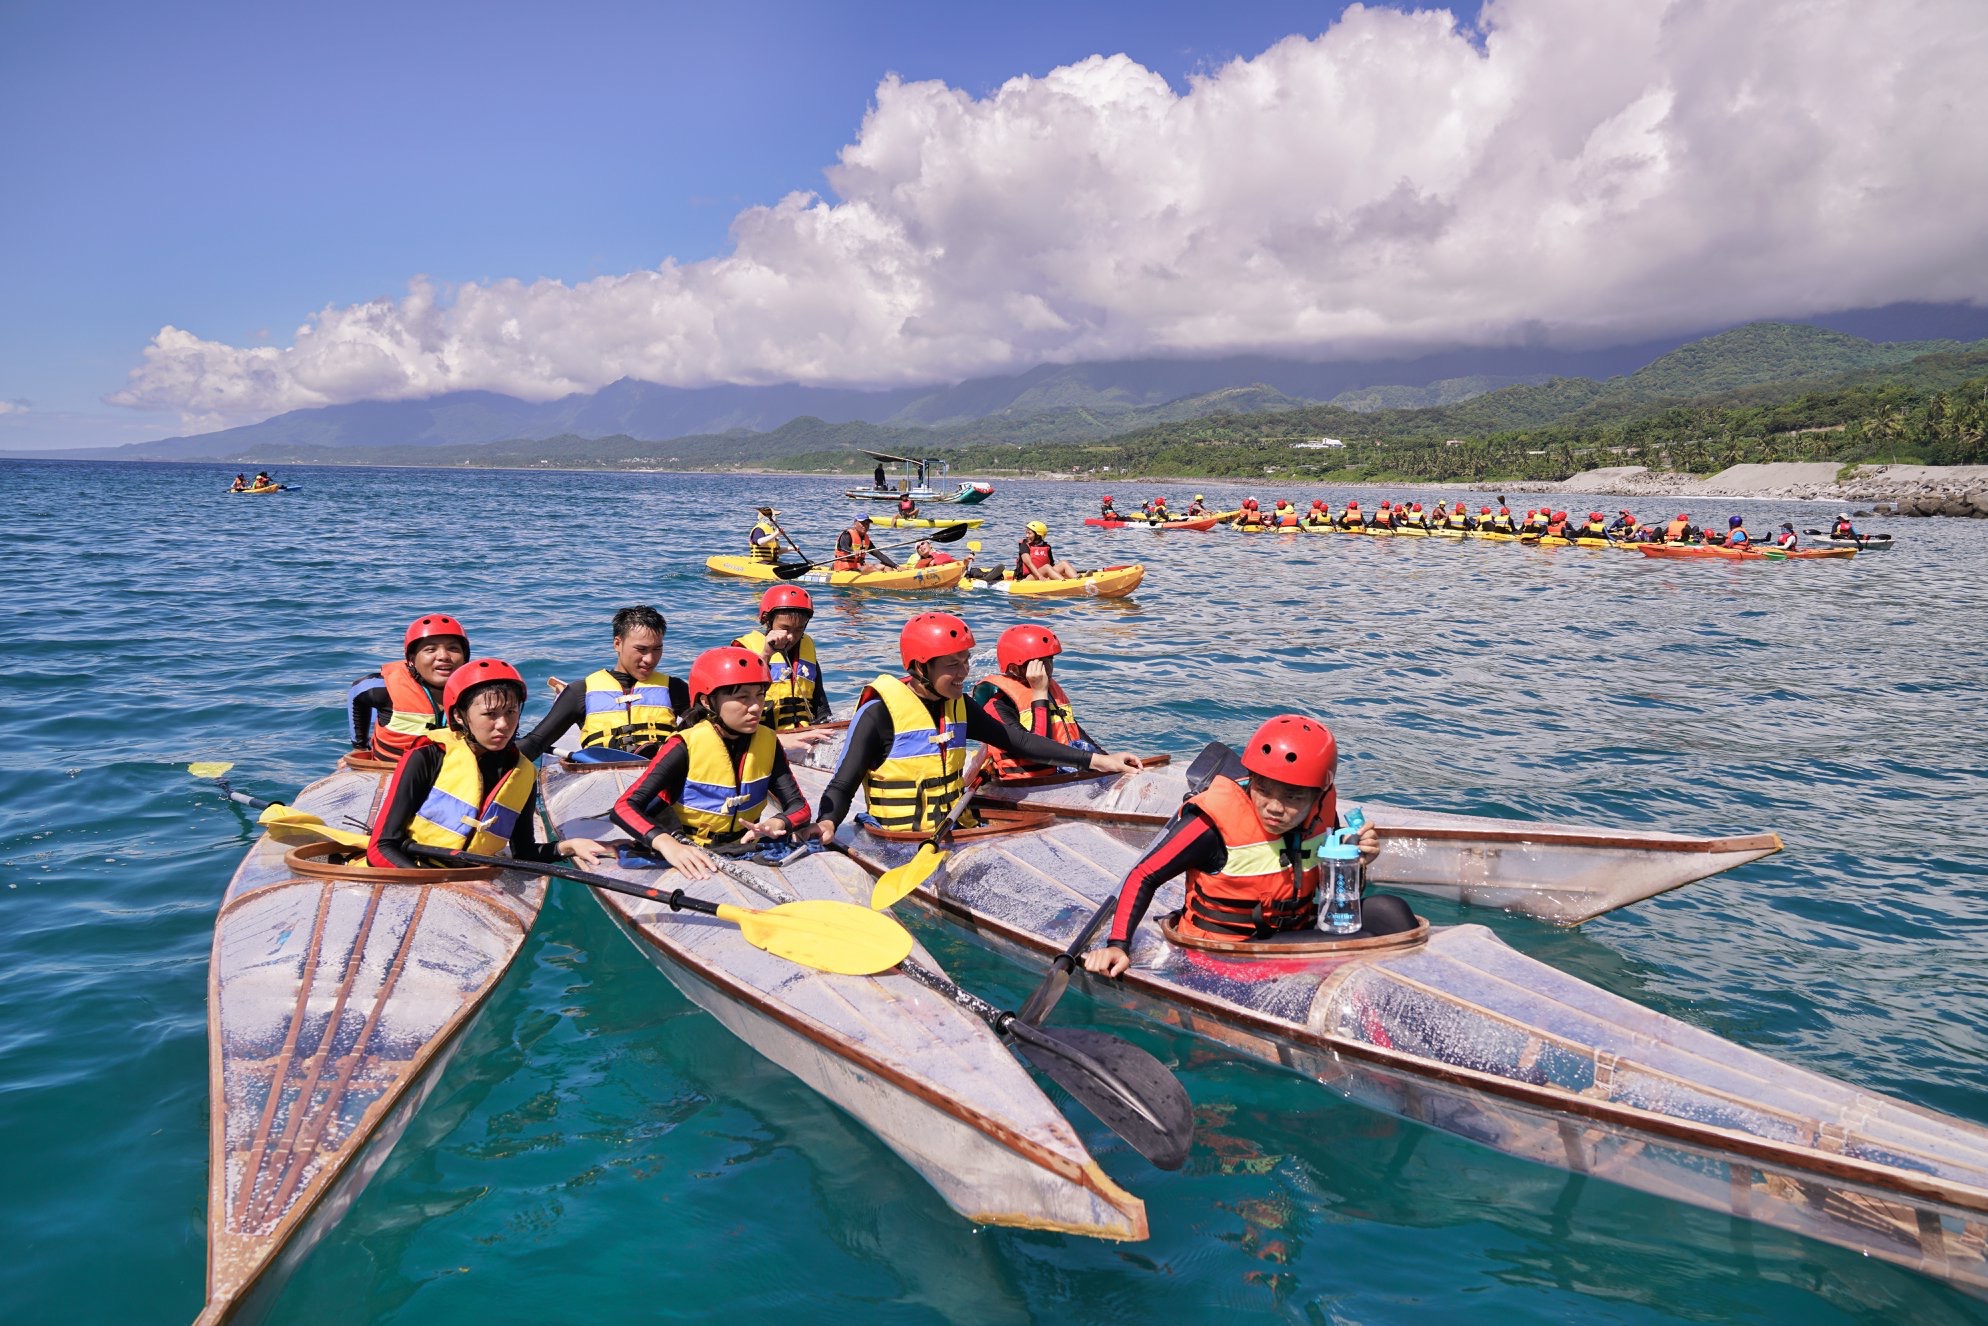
1891 490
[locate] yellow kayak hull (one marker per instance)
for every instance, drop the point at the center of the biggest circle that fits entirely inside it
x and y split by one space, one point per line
1111 582
924 522
943 576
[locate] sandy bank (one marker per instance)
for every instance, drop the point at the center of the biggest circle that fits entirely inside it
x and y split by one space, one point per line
1928 490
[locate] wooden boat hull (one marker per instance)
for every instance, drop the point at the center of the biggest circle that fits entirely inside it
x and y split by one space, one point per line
1711 553
932 1081
1111 582
943 576
1465 1034
334 1000
1562 873
1199 524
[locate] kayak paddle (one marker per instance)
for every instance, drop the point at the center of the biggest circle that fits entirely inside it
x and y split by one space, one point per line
1212 760
1130 1091
275 814
897 882
837 937
950 534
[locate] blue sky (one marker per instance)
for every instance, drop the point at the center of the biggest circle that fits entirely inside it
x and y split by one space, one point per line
232 170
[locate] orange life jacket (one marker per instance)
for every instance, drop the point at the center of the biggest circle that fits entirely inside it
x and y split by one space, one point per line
859 543
1062 727
1676 530
415 712
1287 519
1040 554
1258 890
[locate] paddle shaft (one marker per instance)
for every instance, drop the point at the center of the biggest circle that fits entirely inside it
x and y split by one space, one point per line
678 900
949 534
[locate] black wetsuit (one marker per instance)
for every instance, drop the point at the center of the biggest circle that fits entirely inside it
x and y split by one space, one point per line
415 777
647 807
872 732
570 710
1191 842
369 697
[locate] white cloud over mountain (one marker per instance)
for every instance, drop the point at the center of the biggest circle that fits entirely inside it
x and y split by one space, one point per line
1576 170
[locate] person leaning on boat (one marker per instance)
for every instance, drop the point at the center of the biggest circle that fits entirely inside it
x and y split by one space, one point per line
853 546
795 697
1237 844
393 708
908 741
1025 694
467 787
710 783
626 707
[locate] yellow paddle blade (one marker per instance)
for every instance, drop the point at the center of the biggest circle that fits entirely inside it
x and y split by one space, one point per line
829 936
210 768
898 882
284 817
973 545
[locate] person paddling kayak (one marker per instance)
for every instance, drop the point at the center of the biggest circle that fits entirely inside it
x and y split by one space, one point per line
795 697
1843 529
712 781
1250 852
1106 511
1736 535
628 706
240 485
1787 540
908 742
763 542
1036 560
468 787
1198 507
1249 516
1025 694
853 547
392 708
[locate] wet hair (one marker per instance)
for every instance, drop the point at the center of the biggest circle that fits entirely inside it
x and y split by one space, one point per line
638 616
469 697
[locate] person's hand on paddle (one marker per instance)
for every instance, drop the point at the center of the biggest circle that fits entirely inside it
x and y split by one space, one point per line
590 854
688 858
778 641
1106 762
825 831
1110 961
776 827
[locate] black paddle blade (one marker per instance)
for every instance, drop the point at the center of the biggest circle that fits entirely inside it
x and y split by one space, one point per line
793 570
1130 1091
949 534
1054 983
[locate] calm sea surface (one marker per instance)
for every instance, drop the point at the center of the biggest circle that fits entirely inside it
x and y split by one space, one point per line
601 1150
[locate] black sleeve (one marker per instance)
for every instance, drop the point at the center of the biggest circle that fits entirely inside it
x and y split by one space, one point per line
785 793
367 697
1017 740
567 710
820 713
409 786
1188 842
869 742
525 845
646 806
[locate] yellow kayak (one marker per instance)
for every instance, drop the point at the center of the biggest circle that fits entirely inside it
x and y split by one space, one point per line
943 576
266 488
922 522
1111 582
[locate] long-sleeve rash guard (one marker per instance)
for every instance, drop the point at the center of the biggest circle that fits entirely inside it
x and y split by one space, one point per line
414 778
368 697
570 709
872 732
1003 711
1189 842
648 806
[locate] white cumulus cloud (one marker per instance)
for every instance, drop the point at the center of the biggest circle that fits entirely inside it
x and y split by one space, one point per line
1572 170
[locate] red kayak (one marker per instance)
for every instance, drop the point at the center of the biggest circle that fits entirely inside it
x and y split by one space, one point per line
1737 554
1198 523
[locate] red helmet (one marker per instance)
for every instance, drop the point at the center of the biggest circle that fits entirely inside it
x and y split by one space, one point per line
1293 749
1250 502
1682 516
1594 515
1504 511
1484 511
1107 497
1318 501
932 635
1415 506
785 598
727 665
475 673
1353 505
1025 644
1160 501
1281 504
1559 515
434 623
1384 506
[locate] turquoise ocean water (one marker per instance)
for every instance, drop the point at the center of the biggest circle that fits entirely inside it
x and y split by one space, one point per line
602 1151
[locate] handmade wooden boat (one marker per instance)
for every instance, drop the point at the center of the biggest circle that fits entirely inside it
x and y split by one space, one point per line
1193 523
1710 552
943 576
336 995
930 1079
1563 873
1460 1032
1109 582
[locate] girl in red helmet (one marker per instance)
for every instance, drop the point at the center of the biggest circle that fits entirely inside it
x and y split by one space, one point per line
1249 851
908 742
712 781
1025 694
1319 516
467 786
623 711
393 708
1249 517
1351 517
796 698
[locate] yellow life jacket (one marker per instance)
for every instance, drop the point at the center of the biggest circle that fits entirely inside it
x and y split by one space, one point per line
763 544
922 775
720 798
459 814
790 700
627 719
415 713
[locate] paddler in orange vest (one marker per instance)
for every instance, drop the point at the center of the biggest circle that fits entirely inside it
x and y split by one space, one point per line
1679 529
1351 518
467 787
1036 560
1556 525
795 695
1025 693
1383 518
397 705
1736 535
907 747
1249 517
853 547
1250 852
1198 507
1319 516
1594 529
1106 511
240 484
906 508
625 709
1787 540
1284 516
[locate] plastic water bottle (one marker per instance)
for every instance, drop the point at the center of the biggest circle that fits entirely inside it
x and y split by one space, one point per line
1345 876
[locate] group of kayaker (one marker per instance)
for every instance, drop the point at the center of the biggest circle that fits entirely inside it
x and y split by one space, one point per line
856 550
242 485
717 771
